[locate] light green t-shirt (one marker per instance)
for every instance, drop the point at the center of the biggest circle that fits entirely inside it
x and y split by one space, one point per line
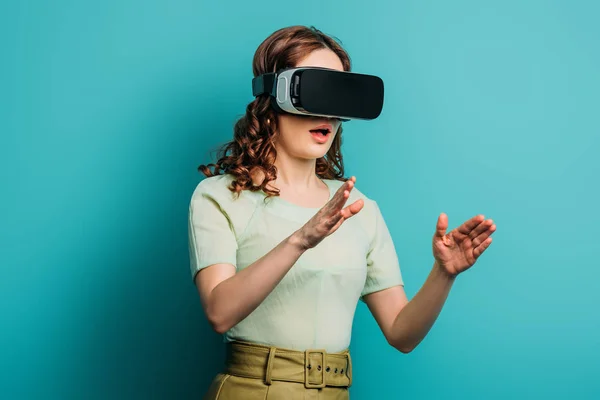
313 306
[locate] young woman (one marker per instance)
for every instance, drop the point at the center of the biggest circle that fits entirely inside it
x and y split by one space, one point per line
283 246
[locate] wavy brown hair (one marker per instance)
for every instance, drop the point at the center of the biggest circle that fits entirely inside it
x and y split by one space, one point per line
250 156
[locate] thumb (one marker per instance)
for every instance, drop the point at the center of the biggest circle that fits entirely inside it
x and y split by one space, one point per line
442 225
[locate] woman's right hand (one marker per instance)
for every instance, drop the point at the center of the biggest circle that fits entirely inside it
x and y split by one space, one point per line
329 218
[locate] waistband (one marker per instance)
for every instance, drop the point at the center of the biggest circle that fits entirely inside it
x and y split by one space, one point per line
314 368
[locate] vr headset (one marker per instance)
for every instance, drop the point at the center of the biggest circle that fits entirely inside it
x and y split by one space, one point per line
322 92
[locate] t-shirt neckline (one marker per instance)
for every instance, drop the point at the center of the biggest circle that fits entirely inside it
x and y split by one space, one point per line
289 209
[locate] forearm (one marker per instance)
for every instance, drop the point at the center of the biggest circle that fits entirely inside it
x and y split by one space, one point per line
236 297
418 316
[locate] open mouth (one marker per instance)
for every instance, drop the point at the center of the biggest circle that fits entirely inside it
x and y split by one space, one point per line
322 130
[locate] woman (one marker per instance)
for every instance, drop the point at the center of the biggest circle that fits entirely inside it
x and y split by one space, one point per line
283 246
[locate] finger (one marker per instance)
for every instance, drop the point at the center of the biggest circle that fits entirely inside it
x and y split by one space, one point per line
442 225
331 223
352 209
336 221
484 235
471 224
341 196
478 251
335 227
342 192
482 227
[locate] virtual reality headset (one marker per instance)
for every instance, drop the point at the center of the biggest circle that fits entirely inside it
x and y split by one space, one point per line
322 92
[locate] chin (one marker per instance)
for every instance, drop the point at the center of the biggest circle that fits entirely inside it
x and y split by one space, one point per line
310 156
313 154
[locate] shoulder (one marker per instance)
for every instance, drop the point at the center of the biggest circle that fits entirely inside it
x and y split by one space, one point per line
212 196
217 185
217 189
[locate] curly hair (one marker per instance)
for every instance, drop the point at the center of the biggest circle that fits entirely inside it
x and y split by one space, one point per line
251 155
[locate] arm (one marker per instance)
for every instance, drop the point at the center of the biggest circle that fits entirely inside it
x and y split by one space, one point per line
228 297
406 323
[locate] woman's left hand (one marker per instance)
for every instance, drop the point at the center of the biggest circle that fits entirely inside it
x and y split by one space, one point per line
457 250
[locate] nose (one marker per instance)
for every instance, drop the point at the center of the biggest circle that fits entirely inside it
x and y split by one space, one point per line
330 119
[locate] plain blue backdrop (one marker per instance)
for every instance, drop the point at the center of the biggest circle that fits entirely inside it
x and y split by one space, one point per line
108 107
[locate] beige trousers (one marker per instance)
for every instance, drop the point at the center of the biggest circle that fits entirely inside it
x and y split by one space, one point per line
256 372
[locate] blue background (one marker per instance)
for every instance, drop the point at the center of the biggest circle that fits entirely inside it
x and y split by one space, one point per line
108 107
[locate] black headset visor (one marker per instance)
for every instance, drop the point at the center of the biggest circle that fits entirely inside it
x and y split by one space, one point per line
323 92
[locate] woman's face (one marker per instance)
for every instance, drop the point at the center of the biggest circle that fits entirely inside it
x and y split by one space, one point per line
303 136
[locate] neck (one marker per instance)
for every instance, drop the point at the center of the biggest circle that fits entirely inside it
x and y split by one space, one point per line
295 172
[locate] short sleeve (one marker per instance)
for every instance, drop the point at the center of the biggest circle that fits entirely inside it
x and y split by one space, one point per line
383 268
211 236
